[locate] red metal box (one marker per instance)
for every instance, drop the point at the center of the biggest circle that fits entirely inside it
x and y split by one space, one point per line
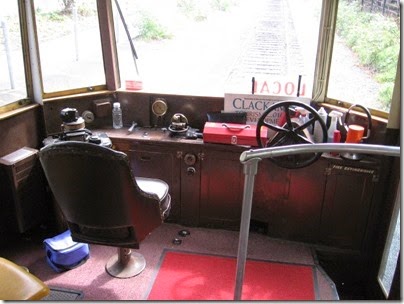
230 133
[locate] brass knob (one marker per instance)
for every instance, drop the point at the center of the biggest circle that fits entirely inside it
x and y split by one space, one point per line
191 170
190 159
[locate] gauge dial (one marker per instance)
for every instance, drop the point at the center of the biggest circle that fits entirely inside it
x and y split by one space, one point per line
88 116
159 107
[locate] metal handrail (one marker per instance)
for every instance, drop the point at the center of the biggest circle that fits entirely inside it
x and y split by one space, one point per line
250 160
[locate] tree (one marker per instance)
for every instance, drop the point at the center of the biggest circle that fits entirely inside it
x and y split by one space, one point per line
68 6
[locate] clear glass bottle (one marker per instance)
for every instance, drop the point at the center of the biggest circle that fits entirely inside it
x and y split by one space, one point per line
117 116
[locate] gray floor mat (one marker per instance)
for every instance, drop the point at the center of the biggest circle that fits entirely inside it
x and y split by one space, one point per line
63 294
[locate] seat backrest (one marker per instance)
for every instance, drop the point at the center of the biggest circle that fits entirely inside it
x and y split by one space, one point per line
98 194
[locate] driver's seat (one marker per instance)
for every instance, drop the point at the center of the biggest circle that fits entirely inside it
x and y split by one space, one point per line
102 201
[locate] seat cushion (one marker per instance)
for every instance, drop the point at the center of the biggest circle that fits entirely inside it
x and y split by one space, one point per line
153 186
158 187
16 283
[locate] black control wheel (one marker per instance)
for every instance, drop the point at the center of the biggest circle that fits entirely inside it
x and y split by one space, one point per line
279 125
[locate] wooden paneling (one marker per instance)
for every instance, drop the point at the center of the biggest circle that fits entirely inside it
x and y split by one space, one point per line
22 130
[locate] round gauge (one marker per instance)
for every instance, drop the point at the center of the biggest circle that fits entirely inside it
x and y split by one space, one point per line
88 116
159 107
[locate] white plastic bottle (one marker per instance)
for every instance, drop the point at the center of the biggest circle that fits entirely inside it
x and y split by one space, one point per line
117 116
303 114
335 118
318 131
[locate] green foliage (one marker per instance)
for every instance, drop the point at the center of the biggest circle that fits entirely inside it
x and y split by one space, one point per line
52 16
86 10
150 29
385 94
186 6
193 9
375 39
221 5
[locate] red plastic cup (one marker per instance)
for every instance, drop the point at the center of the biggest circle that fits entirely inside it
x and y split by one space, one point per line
355 134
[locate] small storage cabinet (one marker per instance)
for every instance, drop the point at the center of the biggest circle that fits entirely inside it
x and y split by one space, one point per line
23 190
221 189
289 201
347 203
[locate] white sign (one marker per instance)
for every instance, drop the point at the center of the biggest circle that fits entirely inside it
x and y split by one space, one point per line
280 87
255 105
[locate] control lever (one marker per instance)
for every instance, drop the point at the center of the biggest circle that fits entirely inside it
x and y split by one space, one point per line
193 135
134 124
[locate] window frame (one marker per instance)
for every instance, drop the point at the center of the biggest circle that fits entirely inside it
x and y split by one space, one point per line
23 102
327 31
36 94
81 90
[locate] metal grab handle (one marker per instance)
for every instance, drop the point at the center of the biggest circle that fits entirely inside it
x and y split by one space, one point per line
250 160
236 128
367 112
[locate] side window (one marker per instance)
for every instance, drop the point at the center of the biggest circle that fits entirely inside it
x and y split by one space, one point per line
12 73
391 251
365 53
69 45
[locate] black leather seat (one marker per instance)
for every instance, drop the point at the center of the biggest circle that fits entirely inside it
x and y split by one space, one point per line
103 202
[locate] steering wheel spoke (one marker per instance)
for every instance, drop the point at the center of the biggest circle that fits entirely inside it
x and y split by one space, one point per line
307 124
277 140
274 127
287 111
304 139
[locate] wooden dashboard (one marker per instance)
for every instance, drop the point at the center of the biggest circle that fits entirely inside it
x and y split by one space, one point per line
327 203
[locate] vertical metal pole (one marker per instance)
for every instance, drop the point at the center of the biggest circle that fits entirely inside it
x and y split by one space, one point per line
3 24
76 32
134 54
250 170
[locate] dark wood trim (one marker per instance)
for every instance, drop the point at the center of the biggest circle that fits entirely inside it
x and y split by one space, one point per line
109 51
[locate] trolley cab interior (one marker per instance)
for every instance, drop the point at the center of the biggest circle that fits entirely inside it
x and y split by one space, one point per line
333 210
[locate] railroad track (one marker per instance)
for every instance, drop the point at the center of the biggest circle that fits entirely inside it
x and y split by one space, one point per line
271 47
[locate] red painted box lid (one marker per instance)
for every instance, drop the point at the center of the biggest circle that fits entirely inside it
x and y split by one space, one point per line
230 133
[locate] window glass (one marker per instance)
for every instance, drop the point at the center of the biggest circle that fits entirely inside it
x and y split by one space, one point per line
69 44
12 77
391 251
365 54
215 47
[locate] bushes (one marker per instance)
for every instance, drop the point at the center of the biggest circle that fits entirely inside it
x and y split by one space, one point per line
150 29
376 41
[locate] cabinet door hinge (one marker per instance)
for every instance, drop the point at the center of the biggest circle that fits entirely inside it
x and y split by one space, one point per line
201 156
